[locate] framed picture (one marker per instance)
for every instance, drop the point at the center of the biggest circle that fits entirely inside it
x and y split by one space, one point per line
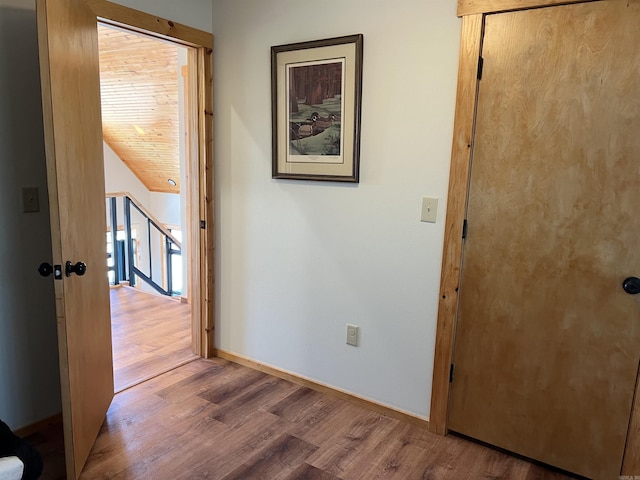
316 90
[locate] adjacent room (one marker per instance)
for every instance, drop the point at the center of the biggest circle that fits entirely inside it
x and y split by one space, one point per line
144 94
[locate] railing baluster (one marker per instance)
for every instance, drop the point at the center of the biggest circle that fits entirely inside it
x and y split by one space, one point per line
115 254
167 244
127 228
149 249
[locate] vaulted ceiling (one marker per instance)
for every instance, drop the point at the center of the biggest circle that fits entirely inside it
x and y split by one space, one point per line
140 114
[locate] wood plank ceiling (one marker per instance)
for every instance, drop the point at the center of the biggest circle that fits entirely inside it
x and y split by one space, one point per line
140 113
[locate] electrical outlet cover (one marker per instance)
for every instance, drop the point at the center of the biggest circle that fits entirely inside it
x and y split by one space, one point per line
352 335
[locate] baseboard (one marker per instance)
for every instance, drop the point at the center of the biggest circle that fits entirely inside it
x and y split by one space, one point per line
138 288
320 387
39 426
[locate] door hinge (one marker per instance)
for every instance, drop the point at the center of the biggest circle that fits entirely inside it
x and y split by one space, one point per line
203 224
464 228
451 374
480 65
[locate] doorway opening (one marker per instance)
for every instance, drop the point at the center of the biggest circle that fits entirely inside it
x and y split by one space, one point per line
69 66
145 93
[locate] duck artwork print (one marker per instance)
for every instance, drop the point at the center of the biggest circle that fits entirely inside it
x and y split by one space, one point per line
315 109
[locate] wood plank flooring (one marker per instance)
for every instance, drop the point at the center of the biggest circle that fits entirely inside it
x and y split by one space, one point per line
213 419
218 420
151 335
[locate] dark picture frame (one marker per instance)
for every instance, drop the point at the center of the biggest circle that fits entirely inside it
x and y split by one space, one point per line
316 95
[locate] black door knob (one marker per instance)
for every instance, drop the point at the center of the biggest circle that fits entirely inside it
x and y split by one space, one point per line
45 269
631 285
80 268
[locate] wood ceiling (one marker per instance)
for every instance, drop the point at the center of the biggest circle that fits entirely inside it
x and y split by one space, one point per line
140 113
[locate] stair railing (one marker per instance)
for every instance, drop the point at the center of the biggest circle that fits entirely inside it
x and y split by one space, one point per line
127 266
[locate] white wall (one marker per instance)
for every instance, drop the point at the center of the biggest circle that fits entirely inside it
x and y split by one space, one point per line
119 178
29 378
296 261
166 207
194 13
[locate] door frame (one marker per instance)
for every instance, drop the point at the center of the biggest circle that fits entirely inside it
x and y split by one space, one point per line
473 13
201 233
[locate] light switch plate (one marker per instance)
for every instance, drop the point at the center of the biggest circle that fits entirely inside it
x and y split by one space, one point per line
429 210
30 200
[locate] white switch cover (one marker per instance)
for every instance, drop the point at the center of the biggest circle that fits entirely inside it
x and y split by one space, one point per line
429 209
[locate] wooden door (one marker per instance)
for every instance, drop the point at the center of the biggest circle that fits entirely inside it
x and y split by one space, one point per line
547 342
73 137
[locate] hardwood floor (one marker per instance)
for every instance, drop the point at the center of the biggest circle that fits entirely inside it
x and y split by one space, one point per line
218 420
151 335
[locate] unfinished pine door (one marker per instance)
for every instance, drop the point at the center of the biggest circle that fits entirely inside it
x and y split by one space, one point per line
69 68
547 342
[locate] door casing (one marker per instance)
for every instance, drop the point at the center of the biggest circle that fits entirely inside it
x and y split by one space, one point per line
473 13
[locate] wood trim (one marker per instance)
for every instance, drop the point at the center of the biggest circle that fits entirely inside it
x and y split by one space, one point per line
205 102
471 45
39 426
474 7
631 461
323 388
118 15
193 199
